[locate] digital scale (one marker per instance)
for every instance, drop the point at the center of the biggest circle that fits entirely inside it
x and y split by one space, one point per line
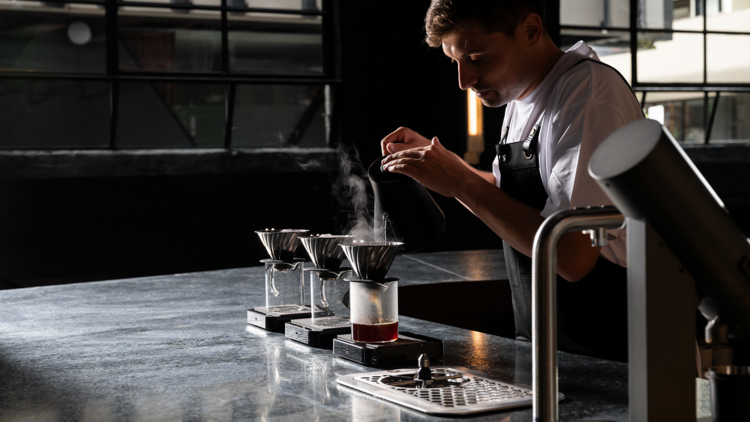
407 348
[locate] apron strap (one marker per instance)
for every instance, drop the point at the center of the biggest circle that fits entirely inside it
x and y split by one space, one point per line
531 142
501 148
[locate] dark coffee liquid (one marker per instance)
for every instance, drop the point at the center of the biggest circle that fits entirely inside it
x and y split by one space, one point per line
378 333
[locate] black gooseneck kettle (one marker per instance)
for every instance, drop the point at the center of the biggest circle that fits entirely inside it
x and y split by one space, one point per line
411 214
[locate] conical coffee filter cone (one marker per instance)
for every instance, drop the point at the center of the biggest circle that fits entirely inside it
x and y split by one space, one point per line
371 260
281 244
324 250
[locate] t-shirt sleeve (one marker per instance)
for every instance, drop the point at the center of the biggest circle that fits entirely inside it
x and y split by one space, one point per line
587 111
582 119
597 123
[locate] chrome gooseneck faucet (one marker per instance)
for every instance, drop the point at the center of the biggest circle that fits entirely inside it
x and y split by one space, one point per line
544 296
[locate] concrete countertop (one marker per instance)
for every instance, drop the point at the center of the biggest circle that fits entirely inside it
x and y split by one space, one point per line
440 267
178 348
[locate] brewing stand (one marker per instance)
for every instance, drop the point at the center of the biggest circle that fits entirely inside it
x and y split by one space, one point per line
440 390
330 309
375 339
284 295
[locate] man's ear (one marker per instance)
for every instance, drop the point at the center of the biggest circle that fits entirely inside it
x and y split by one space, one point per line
533 30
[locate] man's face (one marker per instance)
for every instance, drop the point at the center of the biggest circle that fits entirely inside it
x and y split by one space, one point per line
494 66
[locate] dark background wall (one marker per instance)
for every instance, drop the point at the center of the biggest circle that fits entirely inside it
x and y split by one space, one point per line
71 230
78 228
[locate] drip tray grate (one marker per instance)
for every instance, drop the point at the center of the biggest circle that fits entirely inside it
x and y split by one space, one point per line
465 392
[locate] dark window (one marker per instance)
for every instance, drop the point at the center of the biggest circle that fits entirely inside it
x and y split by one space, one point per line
166 73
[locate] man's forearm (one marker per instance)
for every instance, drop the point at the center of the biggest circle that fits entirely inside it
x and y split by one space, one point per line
513 221
486 175
517 224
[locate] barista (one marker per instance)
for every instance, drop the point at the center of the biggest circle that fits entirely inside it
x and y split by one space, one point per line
561 105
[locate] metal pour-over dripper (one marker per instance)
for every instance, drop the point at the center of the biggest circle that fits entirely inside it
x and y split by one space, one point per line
281 244
324 250
371 260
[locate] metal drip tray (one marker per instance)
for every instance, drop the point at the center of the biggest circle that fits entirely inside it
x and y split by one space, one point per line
442 379
461 391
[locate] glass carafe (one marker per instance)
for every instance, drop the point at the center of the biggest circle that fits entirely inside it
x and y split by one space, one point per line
374 311
285 287
330 298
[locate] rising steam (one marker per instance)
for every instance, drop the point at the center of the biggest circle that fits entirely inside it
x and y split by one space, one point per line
350 193
350 188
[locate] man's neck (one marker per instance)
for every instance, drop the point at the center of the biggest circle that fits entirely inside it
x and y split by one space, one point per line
543 61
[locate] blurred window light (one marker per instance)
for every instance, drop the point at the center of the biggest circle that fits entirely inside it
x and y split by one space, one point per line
692 59
474 109
475 138
656 113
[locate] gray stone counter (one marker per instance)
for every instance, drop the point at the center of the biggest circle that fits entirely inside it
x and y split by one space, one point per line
177 348
438 267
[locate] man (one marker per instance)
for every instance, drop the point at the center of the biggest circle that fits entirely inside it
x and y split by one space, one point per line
560 107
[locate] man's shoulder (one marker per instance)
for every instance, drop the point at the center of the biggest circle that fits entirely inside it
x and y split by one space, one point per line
592 83
593 80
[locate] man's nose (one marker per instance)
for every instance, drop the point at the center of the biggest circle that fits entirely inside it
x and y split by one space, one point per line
466 76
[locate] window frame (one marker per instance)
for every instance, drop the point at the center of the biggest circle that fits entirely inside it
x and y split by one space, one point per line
114 76
709 110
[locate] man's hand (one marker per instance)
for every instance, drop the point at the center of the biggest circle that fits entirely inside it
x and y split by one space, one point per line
402 139
433 166
445 173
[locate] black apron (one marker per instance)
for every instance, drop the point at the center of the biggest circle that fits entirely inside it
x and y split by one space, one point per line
592 315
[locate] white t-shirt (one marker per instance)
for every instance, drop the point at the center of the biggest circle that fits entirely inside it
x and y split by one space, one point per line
583 105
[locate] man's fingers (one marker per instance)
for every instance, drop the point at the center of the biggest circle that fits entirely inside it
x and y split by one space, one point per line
396 147
411 153
395 161
385 147
388 141
398 136
403 168
403 138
